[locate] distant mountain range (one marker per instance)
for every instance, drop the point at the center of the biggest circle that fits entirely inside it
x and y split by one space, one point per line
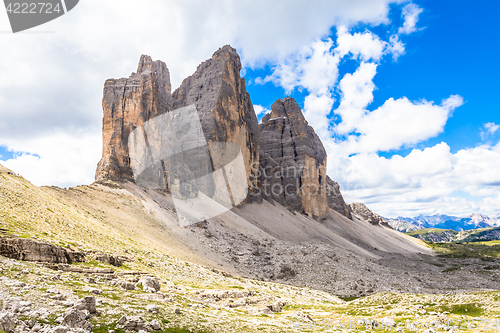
441 221
447 235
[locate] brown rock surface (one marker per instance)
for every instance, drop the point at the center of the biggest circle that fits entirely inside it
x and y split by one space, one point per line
32 250
128 103
366 214
224 106
292 160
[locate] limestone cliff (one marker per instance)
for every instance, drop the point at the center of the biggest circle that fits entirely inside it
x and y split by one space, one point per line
290 167
128 103
222 104
224 107
292 160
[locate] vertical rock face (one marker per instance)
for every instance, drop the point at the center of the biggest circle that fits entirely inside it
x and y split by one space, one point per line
224 107
216 90
128 103
292 160
290 167
366 214
335 199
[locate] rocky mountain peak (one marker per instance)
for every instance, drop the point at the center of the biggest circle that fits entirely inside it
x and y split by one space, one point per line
284 159
292 160
366 214
128 103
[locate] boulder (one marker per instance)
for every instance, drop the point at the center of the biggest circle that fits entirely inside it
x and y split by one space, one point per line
86 303
133 323
109 259
149 284
7 322
155 325
77 319
152 308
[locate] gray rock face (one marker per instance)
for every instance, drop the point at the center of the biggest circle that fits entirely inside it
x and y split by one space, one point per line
7 322
86 303
335 198
128 103
32 250
224 107
77 319
133 323
364 213
109 259
149 284
292 160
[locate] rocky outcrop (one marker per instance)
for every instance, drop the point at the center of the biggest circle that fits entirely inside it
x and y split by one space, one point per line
292 160
32 250
364 213
283 158
128 103
335 198
222 104
110 259
224 107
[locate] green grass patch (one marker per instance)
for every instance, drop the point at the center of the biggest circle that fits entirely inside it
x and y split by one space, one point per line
349 298
430 231
466 250
464 309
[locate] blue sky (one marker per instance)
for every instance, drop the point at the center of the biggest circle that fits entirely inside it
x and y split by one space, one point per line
453 52
402 93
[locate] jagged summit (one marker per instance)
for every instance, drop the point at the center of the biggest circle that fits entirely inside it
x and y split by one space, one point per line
128 103
283 157
292 160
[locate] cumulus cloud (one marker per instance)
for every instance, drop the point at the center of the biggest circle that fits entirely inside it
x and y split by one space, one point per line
410 15
489 129
398 123
365 45
260 111
426 181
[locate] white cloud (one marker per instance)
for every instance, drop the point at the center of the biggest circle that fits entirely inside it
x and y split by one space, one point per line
410 15
365 45
60 158
423 182
260 110
489 129
356 94
398 123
